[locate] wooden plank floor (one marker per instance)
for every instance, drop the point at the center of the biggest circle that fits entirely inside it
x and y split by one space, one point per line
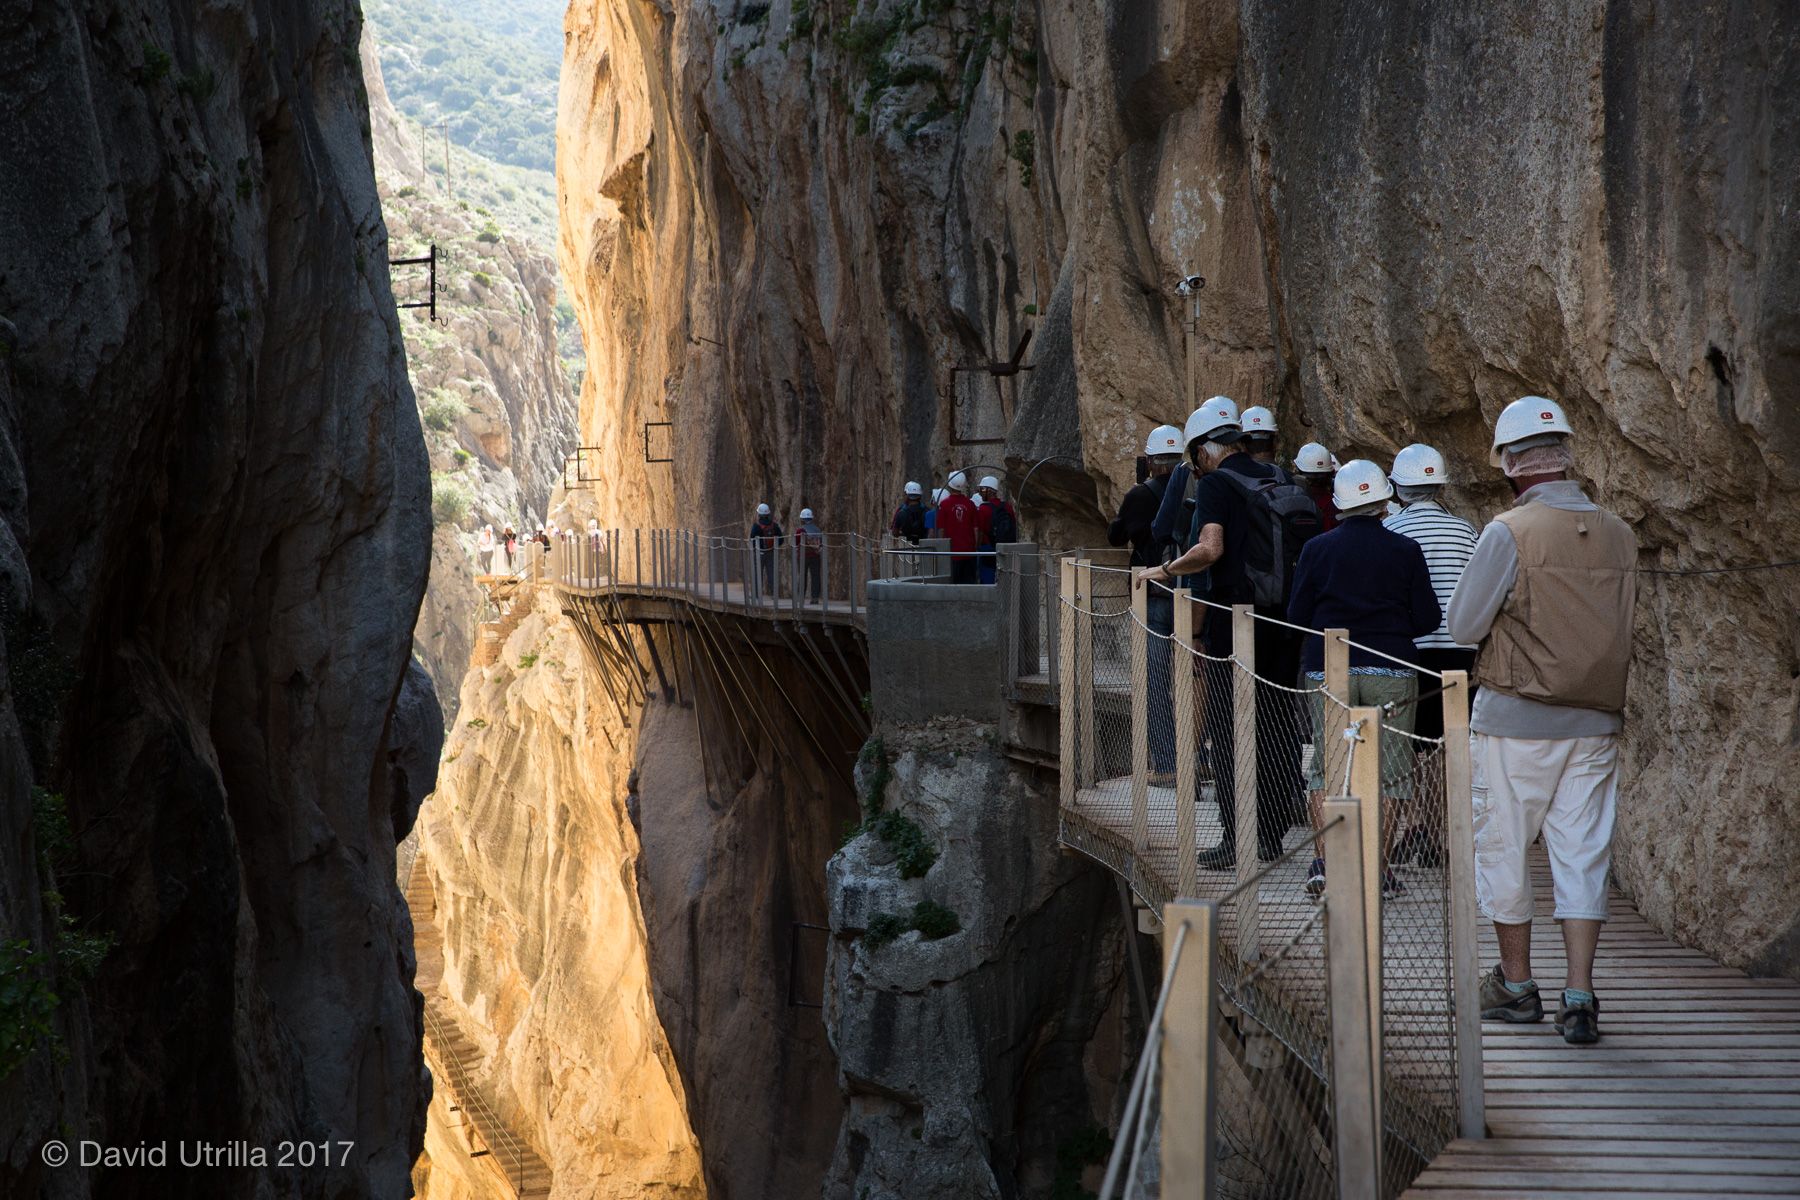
1693 1090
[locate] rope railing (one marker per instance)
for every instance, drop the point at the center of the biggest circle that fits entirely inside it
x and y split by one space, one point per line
1201 770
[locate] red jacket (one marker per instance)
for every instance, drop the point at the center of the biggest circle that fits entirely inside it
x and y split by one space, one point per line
959 520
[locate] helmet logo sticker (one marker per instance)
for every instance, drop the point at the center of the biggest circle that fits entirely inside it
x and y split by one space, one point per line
1546 416
1362 487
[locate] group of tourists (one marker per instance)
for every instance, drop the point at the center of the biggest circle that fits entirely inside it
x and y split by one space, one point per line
975 525
510 553
1539 607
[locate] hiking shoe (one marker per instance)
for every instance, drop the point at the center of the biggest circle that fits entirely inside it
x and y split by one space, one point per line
1221 857
1390 884
1315 878
1498 1004
1405 848
1580 1023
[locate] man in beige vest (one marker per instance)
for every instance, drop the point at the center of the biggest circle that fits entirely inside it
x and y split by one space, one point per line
1548 596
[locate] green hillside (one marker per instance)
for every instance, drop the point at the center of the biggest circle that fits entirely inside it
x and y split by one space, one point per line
487 67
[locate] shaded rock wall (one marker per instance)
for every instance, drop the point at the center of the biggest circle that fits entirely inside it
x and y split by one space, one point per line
965 1059
1406 214
216 508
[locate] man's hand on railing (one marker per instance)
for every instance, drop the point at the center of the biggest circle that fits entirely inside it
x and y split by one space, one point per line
1156 574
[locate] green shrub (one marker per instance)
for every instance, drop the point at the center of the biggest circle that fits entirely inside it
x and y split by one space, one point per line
884 928
156 64
483 278
40 677
27 1004
461 457
527 661
1024 152
451 499
198 85
490 233
408 190
934 921
441 411
475 723
1074 1154
912 853
874 755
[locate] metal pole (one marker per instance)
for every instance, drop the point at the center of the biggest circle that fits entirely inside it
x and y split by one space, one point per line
1084 668
1065 683
1365 786
1181 679
1140 723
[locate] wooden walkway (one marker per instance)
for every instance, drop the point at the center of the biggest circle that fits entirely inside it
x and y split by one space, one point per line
1693 1090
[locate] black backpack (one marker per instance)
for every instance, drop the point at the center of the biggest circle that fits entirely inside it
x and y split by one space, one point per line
910 521
1005 526
1282 518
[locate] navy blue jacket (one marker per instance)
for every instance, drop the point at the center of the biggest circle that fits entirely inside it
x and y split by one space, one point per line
1369 580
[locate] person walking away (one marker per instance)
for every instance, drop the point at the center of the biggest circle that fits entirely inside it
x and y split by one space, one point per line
999 525
1549 597
1314 469
1259 435
1375 583
765 535
812 547
910 519
1137 512
506 553
1419 476
1250 524
958 520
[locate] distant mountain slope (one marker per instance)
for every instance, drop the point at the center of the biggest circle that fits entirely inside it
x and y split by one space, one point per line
488 67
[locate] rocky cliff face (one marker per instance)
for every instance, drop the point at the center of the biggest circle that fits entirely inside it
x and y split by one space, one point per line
785 224
216 528
497 407
532 856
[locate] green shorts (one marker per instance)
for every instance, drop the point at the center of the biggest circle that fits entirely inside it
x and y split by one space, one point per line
1368 691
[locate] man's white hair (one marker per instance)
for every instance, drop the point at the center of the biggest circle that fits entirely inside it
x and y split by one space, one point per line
1378 508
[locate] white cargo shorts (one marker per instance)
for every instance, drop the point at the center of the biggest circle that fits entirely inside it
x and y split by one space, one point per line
1566 787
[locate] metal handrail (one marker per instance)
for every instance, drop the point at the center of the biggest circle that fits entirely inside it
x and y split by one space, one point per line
498 1137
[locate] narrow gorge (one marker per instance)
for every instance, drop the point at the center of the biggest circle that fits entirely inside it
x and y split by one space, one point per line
315 825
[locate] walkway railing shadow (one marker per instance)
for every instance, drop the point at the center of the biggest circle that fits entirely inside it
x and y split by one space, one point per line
1262 1071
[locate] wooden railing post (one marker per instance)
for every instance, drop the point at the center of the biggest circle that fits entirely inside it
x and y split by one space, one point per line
1189 1159
1337 717
1084 668
1355 1072
637 550
1140 721
1365 786
1459 850
1243 768
1181 681
1066 687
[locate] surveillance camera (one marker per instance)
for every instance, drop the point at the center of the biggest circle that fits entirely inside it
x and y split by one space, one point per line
1191 284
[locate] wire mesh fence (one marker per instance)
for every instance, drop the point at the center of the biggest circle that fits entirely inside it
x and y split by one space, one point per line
1197 759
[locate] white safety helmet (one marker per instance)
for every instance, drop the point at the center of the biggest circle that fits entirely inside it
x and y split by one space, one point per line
938 494
1360 483
762 510
958 482
1417 466
1527 417
913 488
1259 422
1218 415
1315 459
989 482
1164 439
979 500
806 514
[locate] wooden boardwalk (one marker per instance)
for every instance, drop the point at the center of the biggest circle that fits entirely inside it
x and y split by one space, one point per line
1693 1090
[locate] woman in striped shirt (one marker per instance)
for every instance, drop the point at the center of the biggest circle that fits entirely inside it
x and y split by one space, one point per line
1448 541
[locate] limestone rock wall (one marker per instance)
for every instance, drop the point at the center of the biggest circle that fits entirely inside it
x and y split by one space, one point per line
497 407
215 503
970 1062
532 856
